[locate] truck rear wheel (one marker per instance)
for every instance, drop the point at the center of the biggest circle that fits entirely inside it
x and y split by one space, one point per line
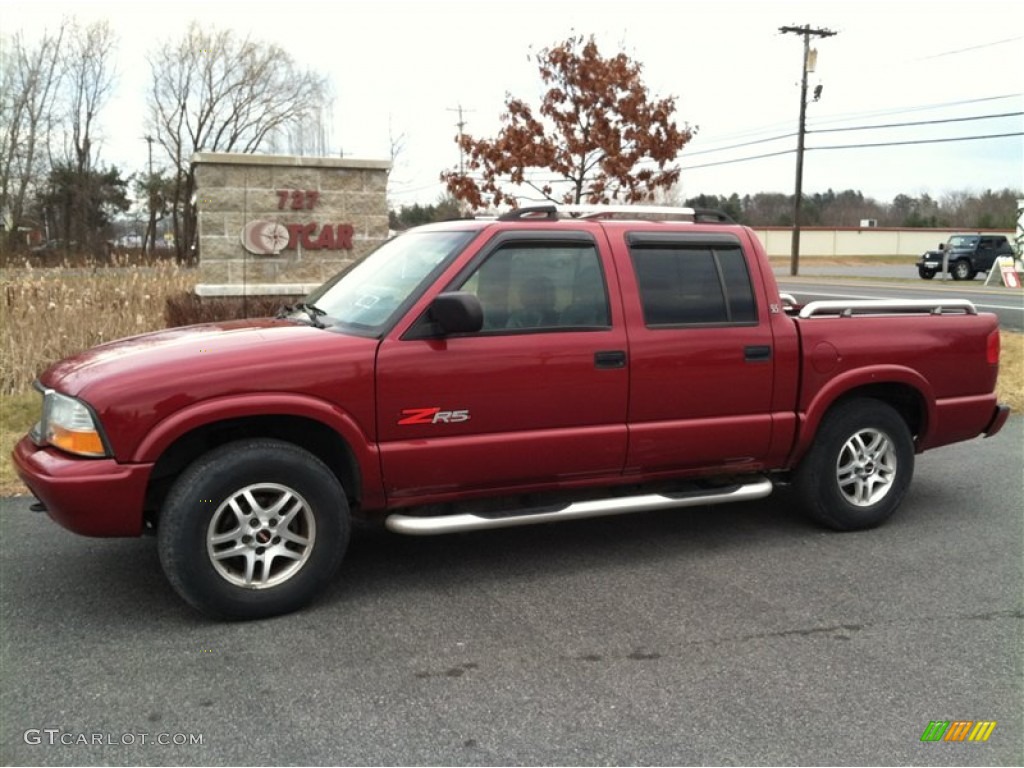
859 467
253 529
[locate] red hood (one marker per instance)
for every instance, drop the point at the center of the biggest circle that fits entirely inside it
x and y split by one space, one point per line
170 352
135 382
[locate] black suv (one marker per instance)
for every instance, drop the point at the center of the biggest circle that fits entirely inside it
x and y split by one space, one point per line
967 256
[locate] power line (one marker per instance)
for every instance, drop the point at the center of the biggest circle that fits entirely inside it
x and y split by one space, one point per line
971 48
918 108
756 131
921 141
848 116
916 122
853 146
851 128
737 160
780 153
745 144
400 191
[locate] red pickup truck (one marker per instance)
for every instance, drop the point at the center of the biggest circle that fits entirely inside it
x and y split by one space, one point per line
546 365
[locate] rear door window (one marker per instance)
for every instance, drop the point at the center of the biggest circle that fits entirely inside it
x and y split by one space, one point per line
687 282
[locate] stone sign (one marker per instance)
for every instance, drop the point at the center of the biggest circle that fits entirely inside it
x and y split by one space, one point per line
276 225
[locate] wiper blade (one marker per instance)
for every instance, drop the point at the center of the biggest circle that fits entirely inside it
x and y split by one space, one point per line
313 312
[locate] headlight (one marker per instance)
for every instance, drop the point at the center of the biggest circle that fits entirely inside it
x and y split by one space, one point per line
68 424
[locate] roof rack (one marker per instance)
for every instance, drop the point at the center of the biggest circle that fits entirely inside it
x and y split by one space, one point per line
554 212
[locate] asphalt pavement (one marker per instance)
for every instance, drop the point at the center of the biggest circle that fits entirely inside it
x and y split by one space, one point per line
726 635
808 268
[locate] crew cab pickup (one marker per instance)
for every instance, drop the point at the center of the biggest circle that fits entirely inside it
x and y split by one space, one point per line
551 364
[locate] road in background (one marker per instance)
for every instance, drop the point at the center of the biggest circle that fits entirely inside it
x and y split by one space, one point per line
1006 303
724 635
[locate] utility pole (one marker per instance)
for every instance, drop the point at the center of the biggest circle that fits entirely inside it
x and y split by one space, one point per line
150 239
808 33
461 124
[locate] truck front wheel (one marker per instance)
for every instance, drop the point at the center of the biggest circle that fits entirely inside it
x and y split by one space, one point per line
253 529
859 467
925 273
963 270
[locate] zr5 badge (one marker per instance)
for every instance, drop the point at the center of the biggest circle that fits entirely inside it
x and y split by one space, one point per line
412 416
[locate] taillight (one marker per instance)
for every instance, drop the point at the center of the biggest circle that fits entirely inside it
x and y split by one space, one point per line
992 348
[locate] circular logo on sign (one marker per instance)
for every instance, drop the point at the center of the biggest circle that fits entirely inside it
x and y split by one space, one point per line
264 238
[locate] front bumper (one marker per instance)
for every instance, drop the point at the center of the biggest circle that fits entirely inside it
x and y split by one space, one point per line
931 261
92 497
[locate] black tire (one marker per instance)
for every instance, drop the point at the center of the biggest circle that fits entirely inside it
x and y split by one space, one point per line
274 504
858 468
925 273
962 270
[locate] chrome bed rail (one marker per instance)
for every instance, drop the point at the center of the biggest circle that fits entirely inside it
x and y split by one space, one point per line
887 307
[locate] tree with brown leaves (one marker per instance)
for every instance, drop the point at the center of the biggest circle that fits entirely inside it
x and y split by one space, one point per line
599 136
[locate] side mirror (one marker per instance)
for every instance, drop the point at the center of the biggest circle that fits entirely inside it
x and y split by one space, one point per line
942 246
457 312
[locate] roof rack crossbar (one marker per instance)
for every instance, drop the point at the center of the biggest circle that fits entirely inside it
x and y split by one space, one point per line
554 211
712 215
549 211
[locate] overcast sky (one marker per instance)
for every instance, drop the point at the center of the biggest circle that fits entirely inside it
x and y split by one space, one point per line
402 68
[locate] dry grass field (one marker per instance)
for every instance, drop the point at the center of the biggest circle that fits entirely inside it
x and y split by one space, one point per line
47 314
1011 371
54 312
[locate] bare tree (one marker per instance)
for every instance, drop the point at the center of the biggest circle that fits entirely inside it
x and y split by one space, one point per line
306 136
396 149
88 64
956 203
396 143
30 77
215 92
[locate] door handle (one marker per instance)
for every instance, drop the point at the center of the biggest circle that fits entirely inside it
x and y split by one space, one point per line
610 359
758 353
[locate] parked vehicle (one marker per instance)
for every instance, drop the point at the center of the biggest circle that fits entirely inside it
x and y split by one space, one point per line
53 247
553 364
966 256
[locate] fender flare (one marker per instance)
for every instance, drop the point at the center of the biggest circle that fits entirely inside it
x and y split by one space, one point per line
850 381
249 405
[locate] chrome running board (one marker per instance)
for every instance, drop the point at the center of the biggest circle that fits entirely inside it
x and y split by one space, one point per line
460 523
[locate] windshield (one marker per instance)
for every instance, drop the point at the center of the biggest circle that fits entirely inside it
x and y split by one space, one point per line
367 295
962 241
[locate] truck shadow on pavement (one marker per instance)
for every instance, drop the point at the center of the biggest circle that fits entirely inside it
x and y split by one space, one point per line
123 577
379 561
